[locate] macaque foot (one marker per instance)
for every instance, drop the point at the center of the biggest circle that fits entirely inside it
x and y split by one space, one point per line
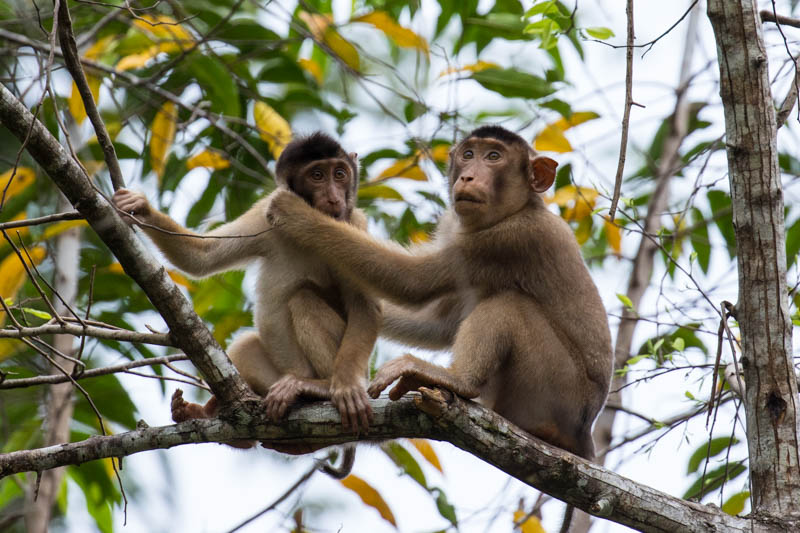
353 406
183 410
406 369
281 395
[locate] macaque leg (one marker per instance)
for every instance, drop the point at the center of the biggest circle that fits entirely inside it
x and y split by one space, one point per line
317 328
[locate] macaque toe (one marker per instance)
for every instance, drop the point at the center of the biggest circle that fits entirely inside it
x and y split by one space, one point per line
183 410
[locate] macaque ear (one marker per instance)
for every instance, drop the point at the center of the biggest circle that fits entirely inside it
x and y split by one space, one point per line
543 173
354 157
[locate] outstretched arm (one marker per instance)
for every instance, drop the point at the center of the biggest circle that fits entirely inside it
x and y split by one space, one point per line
377 268
226 247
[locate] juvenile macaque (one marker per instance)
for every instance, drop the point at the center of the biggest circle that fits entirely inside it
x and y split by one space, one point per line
503 286
314 333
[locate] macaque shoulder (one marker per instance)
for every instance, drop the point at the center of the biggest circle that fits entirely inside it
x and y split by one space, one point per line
358 219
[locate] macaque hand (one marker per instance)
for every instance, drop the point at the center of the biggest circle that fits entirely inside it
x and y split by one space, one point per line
352 403
405 368
286 206
281 395
132 203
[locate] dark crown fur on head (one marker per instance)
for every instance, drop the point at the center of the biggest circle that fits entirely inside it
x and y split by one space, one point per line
499 133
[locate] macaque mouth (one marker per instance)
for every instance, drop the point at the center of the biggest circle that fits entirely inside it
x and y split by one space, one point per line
467 197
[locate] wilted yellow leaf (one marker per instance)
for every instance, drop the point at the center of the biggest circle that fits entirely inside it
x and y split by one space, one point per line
208 159
369 496
163 133
613 236
418 237
23 177
75 102
475 67
273 128
403 168
61 227
12 272
531 525
317 23
312 67
552 139
397 33
423 446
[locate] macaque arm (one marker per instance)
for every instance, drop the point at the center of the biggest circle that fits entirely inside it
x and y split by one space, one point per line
223 248
378 268
433 326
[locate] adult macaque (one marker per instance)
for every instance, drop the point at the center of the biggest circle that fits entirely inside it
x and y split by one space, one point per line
314 334
503 285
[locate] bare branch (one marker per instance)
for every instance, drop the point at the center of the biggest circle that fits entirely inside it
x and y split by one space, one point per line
465 424
124 335
57 217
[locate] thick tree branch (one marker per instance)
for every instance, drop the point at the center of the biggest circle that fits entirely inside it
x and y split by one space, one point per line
186 329
434 415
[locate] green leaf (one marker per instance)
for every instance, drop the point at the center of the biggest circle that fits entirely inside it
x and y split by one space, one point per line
678 344
689 395
444 507
403 458
713 480
379 191
625 301
217 83
599 32
735 504
706 451
513 83
542 8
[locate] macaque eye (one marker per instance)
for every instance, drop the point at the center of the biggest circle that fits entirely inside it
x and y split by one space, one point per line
467 154
316 174
340 174
493 156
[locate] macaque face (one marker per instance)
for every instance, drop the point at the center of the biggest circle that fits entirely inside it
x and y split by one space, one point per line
488 180
326 184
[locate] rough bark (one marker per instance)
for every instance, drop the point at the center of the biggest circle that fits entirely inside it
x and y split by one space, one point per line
435 415
762 310
186 329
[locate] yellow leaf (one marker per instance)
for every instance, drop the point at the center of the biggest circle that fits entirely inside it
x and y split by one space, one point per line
100 46
163 133
403 168
475 67
75 102
8 347
379 191
273 128
423 446
12 272
208 159
552 139
342 48
138 60
613 236
441 153
531 525
579 201
164 28
61 227
419 236
369 496
115 268
584 230
180 279
401 36
312 67
23 177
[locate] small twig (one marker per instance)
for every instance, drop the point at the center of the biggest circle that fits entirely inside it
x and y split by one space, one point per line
124 335
626 117
91 373
73 63
167 378
57 217
769 16
305 477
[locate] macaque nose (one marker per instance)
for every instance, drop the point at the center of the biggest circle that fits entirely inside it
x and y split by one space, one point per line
466 179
